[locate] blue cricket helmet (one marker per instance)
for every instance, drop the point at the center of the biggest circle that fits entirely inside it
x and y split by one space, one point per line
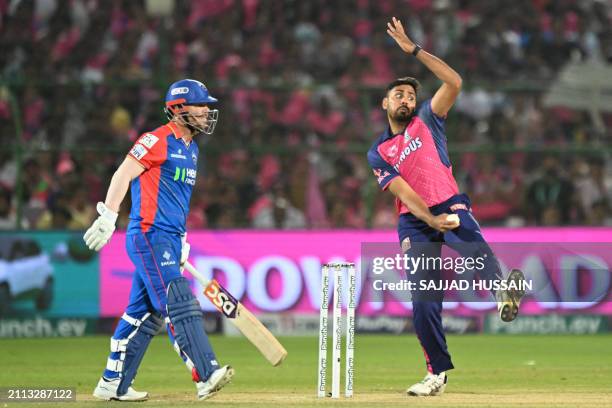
188 92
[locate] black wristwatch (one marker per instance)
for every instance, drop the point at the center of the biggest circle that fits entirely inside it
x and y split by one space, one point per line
416 50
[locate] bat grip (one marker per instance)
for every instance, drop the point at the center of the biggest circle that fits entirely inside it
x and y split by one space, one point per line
194 272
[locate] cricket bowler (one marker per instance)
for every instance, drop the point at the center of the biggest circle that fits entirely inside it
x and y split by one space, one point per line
160 171
411 160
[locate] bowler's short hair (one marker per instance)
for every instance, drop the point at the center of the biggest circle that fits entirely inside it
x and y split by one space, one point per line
404 81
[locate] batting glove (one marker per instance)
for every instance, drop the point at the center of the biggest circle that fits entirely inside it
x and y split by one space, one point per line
102 228
185 248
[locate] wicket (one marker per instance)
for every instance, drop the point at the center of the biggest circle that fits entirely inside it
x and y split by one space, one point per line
337 329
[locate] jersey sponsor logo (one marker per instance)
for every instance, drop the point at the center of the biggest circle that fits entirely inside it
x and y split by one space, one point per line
149 140
179 155
381 174
168 261
185 175
407 136
138 151
459 206
179 91
392 151
413 146
223 301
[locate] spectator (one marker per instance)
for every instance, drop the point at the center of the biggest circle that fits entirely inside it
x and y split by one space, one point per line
594 188
276 211
295 76
81 210
550 198
8 219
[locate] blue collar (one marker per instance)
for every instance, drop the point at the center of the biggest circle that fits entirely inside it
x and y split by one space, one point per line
387 134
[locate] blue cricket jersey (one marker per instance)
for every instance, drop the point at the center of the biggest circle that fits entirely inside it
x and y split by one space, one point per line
161 194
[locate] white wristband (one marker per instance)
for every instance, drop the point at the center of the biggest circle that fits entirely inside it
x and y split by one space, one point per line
107 213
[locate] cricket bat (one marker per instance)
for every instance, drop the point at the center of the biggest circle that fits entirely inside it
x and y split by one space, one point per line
242 318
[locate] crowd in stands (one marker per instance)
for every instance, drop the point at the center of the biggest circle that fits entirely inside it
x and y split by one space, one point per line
300 85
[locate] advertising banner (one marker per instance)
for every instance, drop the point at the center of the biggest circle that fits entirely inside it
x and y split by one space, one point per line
48 274
279 272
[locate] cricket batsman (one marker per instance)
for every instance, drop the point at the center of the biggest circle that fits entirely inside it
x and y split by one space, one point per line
411 160
161 170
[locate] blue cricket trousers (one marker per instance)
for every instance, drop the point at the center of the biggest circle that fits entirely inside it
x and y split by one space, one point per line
427 307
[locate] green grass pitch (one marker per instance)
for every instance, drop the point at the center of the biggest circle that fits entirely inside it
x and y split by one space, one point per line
564 371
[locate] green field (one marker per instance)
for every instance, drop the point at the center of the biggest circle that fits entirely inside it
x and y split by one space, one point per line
568 371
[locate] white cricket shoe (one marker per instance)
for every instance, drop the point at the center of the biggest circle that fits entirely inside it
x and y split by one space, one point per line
509 301
107 391
431 385
217 380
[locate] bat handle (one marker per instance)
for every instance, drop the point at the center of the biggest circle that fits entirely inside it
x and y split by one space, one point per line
194 272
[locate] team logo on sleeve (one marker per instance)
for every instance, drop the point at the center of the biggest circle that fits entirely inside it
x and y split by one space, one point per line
149 140
138 151
381 174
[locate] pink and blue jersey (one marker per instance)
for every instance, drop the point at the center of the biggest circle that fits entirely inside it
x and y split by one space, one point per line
161 194
419 155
